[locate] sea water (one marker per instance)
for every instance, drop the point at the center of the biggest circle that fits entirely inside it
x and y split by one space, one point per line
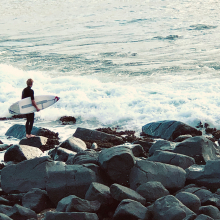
113 63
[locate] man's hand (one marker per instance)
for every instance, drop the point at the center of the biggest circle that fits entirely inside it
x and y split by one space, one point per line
34 104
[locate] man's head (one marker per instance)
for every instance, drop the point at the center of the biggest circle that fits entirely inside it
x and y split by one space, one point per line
30 82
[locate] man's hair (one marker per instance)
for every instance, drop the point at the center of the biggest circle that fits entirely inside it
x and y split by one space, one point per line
30 82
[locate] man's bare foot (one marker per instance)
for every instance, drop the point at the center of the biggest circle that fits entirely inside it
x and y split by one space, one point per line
31 135
27 135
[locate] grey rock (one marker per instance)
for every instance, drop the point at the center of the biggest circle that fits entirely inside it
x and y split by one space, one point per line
4 201
64 180
145 144
169 130
74 144
169 207
18 153
163 145
120 193
4 147
200 148
21 213
36 200
5 209
211 211
182 138
99 192
130 209
117 163
189 200
4 217
179 160
203 217
61 154
136 149
88 156
94 146
172 177
94 136
75 204
36 141
71 216
208 176
152 191
26 175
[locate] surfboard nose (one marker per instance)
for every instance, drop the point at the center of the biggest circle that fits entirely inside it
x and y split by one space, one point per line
57 98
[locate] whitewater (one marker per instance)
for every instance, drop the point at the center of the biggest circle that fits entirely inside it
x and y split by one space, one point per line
112 63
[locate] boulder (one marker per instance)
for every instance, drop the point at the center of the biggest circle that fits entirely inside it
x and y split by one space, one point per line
5 209
75 204
4 147
182 138
74 144
145 144
152 191
162 145
36 200
203 217
26 175
61 154
117 163
64 180
4 201
99 192
172 177
96 136
4 217
130 209
210 211
88 156
189 200
179 160
136 149
200 148
120 193
21 213
169 207
71 216
18 153
208 175
36 141
169 130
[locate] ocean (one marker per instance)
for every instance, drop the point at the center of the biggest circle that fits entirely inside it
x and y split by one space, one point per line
112 63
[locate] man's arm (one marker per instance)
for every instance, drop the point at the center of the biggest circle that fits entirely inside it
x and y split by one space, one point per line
34 104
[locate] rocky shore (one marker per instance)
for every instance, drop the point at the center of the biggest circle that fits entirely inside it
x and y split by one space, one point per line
171 171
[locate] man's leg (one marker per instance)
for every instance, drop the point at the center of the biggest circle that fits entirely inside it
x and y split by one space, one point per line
29 124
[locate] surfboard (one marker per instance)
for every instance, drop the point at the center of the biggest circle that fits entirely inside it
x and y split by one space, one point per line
24 106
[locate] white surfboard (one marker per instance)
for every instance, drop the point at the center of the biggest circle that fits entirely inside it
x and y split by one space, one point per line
24 106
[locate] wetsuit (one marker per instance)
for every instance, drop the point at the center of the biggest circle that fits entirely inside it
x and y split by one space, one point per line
28 92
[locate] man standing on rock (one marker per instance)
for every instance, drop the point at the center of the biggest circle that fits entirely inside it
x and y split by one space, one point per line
28 92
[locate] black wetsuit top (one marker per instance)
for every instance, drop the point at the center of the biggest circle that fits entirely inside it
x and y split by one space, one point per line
28 92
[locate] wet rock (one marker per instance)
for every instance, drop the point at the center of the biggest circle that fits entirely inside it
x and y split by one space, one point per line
182 138
67 120
4 217
94 146
169 207
74 144
61 154
4 147
71 216
172 177
64 180
200 148
136 149
88 156
152 191
5 209
130 209
36 141
75 204
21 213
189 200
179 160
203 217
36 200
169 130
210 211
97 136
4 201
145 144
117 163
26 175
18 153
120 193
162 145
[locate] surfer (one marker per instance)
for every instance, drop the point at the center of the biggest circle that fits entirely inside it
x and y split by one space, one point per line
28 92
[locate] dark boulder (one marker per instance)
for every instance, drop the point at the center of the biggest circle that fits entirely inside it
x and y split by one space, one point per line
163 145
203 217
36 141
4 217
61 154
200 148
210 211
169 130
67 120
